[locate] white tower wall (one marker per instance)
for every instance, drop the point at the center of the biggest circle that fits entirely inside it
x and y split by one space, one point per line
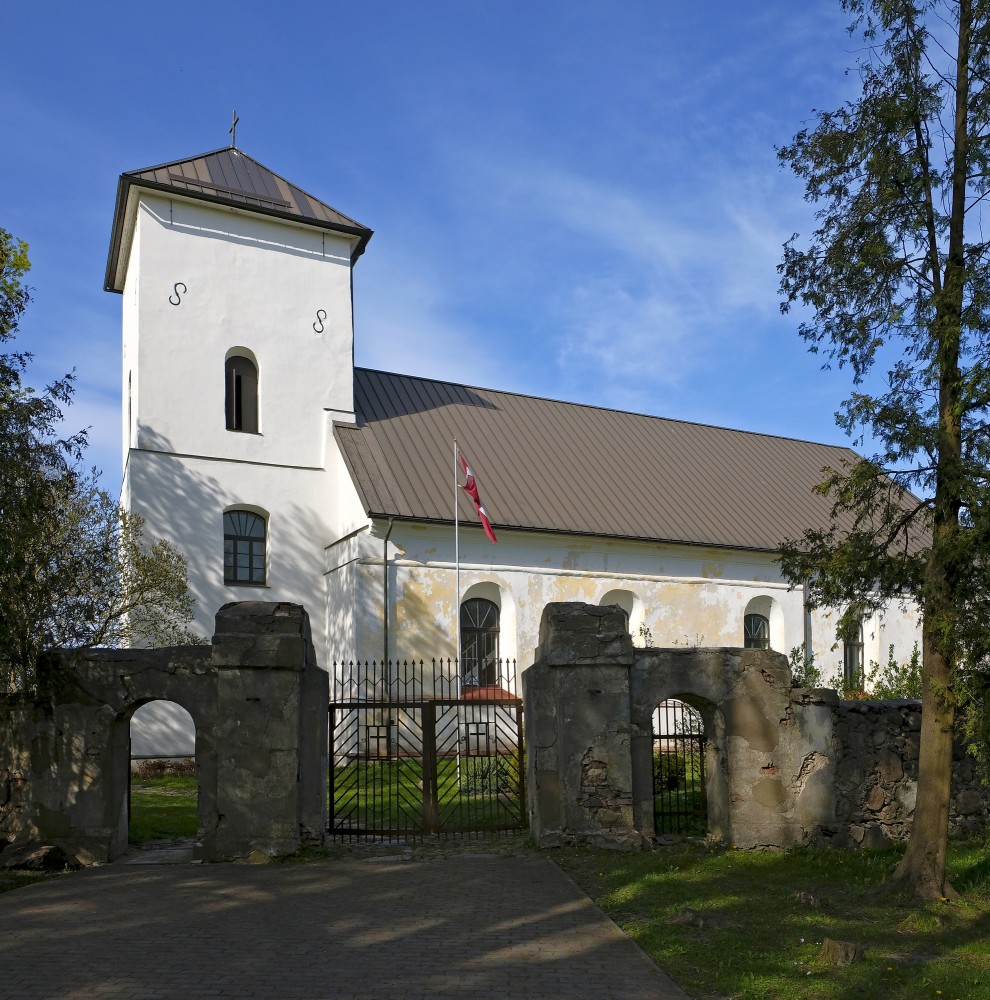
204 281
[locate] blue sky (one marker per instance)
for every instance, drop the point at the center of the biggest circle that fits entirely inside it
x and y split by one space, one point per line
572 199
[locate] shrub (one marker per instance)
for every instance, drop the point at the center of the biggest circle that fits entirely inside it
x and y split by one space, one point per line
166 767
898 680
804 673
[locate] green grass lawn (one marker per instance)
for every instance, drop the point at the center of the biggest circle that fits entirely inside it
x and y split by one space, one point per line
682 811
387 795
162 808
10 880
747 925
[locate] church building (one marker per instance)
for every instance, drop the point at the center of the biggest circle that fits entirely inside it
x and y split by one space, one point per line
283 472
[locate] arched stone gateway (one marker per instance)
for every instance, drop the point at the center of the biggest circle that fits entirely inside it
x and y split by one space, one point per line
784 766
680 788
589 704
258 701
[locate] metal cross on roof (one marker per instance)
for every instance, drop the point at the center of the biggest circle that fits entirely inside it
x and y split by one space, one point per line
233 131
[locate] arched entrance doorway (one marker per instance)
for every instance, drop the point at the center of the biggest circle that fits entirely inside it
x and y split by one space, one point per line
680 798
163 790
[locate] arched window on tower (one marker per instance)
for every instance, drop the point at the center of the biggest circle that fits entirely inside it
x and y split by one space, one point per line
241 394
244 544
756 632
479 642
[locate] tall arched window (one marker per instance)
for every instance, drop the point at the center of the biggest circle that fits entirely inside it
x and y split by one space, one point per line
479 642
756 632
852 657
244 537
241 394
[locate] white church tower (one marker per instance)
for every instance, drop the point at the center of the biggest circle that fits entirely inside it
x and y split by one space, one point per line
237 358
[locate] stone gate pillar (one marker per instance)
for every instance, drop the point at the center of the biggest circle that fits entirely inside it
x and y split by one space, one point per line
576 700
271 733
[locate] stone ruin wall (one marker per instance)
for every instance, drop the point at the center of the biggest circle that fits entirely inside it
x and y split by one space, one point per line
876 747
259 702
786 767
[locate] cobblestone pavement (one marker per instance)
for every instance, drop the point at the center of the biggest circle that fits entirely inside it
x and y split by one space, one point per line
404 926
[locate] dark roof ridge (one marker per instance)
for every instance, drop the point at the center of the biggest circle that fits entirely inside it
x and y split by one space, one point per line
182 159
605 409
234 149
229 177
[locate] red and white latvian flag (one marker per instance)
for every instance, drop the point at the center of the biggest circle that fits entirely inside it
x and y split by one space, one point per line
471 489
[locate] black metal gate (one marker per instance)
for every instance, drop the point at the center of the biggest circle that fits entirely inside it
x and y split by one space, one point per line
416 751
680 803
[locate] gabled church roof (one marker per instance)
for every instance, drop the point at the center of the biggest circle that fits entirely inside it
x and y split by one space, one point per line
228 176
545 465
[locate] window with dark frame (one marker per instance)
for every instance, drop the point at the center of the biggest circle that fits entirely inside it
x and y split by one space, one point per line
244 538
241 394
852 658
479 642
756 632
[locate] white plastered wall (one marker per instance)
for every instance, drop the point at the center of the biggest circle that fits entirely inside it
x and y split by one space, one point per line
682 594
184 500
202 281
240 281
893 632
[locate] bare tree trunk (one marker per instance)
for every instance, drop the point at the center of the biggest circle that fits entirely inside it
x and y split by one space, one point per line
922 869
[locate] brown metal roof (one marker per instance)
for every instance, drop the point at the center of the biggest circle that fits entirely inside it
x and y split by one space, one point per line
551 466
228 176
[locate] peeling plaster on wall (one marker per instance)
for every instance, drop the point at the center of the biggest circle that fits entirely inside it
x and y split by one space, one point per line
680 605
812 764
785 766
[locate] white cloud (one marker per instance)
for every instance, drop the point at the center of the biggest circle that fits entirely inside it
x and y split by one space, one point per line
624 334
651 295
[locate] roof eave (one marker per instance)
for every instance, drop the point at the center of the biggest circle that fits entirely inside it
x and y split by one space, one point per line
114 278
449 522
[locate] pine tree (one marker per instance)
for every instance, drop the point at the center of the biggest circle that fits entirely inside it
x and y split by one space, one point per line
897 276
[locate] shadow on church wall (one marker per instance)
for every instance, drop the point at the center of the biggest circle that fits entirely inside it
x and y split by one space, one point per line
185 502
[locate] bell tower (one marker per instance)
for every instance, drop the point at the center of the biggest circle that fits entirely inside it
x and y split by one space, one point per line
237 357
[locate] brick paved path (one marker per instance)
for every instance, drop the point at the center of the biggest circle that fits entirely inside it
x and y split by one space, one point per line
471 926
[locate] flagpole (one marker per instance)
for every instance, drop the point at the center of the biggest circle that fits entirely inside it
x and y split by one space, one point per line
457 569
458 693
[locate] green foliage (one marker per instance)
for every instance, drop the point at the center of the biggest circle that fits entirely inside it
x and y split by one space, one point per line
670 770
896 275
165 768
890 681
75 570
805 673
898 680
975 715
